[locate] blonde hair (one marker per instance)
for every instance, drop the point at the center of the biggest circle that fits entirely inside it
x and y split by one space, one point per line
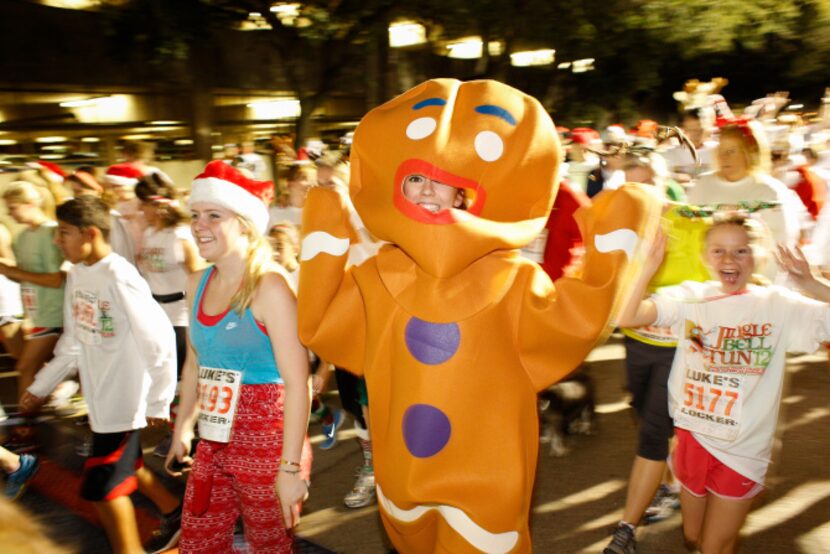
757 234
32 189
258 262
42 177
23 192
21 533
754 229
753 142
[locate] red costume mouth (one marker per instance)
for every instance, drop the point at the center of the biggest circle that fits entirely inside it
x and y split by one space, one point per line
474 192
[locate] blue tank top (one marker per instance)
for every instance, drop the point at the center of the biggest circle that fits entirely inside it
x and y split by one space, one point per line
233 342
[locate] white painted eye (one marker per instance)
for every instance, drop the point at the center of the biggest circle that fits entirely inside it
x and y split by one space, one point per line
489 146
421 128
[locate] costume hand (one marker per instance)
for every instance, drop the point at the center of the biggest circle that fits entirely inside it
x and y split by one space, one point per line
178 459
292 490
29 402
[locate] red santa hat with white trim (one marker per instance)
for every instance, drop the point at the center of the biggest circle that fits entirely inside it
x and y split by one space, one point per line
224 185
51 171
123 175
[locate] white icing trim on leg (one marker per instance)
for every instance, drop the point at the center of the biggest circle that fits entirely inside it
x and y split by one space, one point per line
491 543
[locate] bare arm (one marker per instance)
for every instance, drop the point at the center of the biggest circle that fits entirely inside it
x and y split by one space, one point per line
276 306
52 280
6 252
65 360
638 311
799 270
188 407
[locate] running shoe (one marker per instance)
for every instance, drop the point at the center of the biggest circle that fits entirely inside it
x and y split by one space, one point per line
168 533
330 430
317 415
623 541
363 492
17 481
666 502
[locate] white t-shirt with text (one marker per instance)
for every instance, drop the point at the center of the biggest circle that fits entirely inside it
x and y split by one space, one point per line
728 371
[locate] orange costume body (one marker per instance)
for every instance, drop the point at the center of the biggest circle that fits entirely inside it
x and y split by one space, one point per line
454 332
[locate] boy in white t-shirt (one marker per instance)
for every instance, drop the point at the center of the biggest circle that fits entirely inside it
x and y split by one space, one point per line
726 380
123 345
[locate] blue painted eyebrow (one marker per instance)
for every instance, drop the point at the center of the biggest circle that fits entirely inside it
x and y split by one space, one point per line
490 109
429 102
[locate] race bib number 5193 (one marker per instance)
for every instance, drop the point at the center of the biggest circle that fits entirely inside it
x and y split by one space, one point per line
218 394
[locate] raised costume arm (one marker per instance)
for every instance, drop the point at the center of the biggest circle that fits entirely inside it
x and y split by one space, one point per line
330 310
559 326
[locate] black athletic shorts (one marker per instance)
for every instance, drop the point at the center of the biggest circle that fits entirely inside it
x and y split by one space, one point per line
109 472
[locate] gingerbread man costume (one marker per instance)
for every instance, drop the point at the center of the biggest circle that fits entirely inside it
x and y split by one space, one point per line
454 332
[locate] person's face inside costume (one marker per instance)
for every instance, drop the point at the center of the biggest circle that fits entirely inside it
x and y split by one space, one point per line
481 137
431 195
730 257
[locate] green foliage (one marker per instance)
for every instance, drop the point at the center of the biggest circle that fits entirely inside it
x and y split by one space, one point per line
644 49
706 26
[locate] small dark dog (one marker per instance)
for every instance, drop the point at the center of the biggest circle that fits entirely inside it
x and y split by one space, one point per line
567 408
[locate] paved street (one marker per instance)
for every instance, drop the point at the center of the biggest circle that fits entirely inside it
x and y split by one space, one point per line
578 498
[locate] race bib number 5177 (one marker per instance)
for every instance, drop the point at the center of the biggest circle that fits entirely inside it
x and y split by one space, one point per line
711 404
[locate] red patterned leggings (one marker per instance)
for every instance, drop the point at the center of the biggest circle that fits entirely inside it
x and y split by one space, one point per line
238 478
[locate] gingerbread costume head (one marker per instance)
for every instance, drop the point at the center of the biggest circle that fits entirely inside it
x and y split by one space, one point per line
493 141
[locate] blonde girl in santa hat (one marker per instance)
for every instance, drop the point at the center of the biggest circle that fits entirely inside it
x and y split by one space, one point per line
245 379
